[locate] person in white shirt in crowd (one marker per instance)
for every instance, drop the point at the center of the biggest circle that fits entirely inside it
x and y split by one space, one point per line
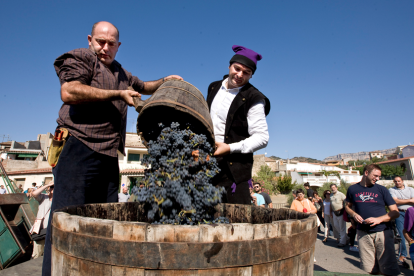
404 197
43 213
238 111
34 187
124 196
3 190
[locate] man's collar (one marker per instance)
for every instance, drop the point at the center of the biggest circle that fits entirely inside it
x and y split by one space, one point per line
114 63
403 187
225 85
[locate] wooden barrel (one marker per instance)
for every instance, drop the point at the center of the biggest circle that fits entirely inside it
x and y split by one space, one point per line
174 101
106 239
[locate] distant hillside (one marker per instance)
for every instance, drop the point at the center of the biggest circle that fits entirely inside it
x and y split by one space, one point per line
307 160
275 157
362 155
301 159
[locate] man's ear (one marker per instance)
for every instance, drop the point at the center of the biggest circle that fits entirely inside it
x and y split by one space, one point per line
90 40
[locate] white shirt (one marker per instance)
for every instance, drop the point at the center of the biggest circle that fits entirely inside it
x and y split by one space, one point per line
404 193
256 120
327 208
3 191
44 209
123 197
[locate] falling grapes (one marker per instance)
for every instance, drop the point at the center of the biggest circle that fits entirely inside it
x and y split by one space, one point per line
177 183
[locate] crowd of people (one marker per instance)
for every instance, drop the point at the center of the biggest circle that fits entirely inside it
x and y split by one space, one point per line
365 207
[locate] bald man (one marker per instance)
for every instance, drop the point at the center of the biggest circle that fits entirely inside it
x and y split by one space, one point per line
94 111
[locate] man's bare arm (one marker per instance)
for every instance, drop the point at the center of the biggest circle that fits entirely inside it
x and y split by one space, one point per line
407 236
404 201
151 86
39 190
75 92
393 214
270 205
348 209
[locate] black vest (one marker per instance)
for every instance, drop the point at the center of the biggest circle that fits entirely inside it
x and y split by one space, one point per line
239 164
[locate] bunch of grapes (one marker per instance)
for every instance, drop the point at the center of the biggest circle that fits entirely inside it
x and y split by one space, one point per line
177 183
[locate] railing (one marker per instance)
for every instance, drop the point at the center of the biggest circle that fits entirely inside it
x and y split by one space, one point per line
280 205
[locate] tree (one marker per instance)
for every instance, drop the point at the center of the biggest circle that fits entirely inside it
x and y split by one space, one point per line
389 171
376 159
284 184
328 173
267 178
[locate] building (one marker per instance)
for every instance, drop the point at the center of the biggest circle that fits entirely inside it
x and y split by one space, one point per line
130 167
26 162
303 172
406 163
334 162
407 151
376 154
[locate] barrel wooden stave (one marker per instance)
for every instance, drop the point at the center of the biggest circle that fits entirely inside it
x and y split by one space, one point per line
175 101
194 249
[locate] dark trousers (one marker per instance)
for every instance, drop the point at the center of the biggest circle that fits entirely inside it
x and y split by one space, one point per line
82 176
241 195
321 219
352 234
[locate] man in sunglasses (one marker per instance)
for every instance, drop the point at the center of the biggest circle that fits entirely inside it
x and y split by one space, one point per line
258 190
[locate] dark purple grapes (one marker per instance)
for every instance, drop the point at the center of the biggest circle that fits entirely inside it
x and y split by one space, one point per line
177 183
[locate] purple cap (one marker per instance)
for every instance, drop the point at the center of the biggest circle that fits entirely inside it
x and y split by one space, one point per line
246 57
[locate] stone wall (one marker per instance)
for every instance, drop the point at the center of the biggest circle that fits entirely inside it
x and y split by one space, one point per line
24 165
390 183
258 161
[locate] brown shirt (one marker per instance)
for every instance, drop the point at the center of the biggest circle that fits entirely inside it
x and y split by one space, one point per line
99 125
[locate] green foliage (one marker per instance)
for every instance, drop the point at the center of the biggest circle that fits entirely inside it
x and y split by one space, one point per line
376 159
389 171
266 177
284 184
328 173
344 167
343 187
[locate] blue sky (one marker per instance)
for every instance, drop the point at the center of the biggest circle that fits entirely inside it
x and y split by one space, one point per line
339 74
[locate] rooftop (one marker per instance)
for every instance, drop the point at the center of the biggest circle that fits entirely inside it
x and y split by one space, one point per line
132 171
36 171
396 160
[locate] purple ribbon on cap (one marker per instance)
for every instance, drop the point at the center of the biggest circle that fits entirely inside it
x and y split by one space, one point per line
250 183
233 188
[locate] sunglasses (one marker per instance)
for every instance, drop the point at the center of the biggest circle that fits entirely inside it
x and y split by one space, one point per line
256 187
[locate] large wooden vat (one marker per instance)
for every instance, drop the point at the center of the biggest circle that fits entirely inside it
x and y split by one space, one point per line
174 101
106 239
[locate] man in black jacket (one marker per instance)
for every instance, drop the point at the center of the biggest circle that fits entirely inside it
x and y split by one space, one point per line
238 111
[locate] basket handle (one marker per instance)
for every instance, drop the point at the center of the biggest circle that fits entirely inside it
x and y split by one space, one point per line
138 103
